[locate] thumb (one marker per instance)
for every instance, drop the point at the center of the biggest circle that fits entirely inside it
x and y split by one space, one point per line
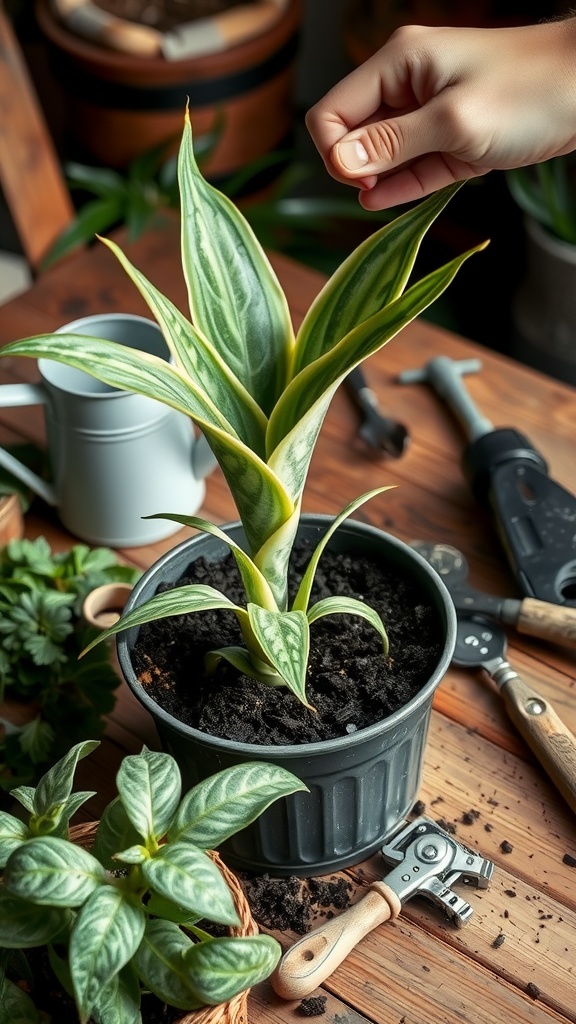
385 145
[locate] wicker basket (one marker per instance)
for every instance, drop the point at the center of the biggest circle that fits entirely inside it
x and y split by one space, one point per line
236 1010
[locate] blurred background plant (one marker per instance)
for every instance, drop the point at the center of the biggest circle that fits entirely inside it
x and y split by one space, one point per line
48 698
547 192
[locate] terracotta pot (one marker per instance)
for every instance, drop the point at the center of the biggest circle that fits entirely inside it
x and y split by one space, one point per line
11 518
236 1010
121 105
360 784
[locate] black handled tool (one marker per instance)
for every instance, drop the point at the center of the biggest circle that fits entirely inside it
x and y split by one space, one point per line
382 434
535 516
528 615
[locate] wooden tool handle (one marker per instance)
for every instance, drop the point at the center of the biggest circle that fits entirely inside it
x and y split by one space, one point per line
313 958
550 740
547 621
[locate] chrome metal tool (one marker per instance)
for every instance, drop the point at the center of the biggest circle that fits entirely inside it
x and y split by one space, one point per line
382 434
482 643
527 615
426 861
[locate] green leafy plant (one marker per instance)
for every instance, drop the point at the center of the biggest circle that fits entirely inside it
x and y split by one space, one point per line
131 915
547 192
41 636
260 395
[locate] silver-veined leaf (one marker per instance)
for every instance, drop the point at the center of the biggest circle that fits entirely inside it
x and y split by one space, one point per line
285 639
55 786
150 786
373 276
119 1001
13 832
221 968
16 1006
24 925
302 598
226 802
106 934
159 961
52 872
235 297
188 877
115 832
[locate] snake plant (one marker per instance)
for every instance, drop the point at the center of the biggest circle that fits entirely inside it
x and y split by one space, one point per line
259 394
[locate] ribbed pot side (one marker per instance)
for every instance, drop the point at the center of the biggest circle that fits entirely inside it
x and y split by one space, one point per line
360 785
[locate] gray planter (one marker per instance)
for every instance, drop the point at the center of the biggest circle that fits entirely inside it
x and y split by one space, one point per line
360 785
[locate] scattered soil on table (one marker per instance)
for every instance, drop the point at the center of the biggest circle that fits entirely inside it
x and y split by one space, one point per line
313 1006
351 683
295 904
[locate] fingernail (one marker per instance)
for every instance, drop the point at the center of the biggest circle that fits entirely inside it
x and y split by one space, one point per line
352 154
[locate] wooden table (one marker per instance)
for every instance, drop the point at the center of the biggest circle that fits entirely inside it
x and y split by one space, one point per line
516 959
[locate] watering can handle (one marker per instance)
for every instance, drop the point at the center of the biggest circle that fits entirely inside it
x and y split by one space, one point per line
11 396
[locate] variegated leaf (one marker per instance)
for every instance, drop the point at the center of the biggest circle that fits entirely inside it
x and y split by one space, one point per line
159 961
235 297
200 361
188 877
302 598
55 786
106 934
52 872
374 275
13 832
221 968
115 832
285 639
150 786
178 601
318 378
16 1006
24 925
224 803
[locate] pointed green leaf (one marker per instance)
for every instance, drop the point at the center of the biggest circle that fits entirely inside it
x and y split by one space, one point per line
240 658
373 276
188 877
24 925
119 1001
13 832
56 785
150 786
106 934
223 804
52 872
160 964
303 594
16 1006
235 297
115 832
285 639
220 969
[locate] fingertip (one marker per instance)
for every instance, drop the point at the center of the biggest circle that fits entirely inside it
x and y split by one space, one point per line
367 183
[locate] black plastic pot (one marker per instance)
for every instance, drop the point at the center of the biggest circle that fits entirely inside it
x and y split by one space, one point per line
360 785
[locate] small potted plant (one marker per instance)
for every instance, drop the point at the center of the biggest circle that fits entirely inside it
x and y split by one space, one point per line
102 928
260 395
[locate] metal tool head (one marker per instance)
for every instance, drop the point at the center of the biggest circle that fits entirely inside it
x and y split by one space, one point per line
478 640
448 561
428 861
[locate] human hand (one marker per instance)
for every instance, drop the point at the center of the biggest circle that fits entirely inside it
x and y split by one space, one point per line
439 105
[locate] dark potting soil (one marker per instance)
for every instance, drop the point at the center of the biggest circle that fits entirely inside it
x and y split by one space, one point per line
351 684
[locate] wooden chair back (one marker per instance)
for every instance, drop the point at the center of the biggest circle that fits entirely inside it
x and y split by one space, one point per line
31 178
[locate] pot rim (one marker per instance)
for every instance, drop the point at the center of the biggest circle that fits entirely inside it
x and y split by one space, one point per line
265 752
